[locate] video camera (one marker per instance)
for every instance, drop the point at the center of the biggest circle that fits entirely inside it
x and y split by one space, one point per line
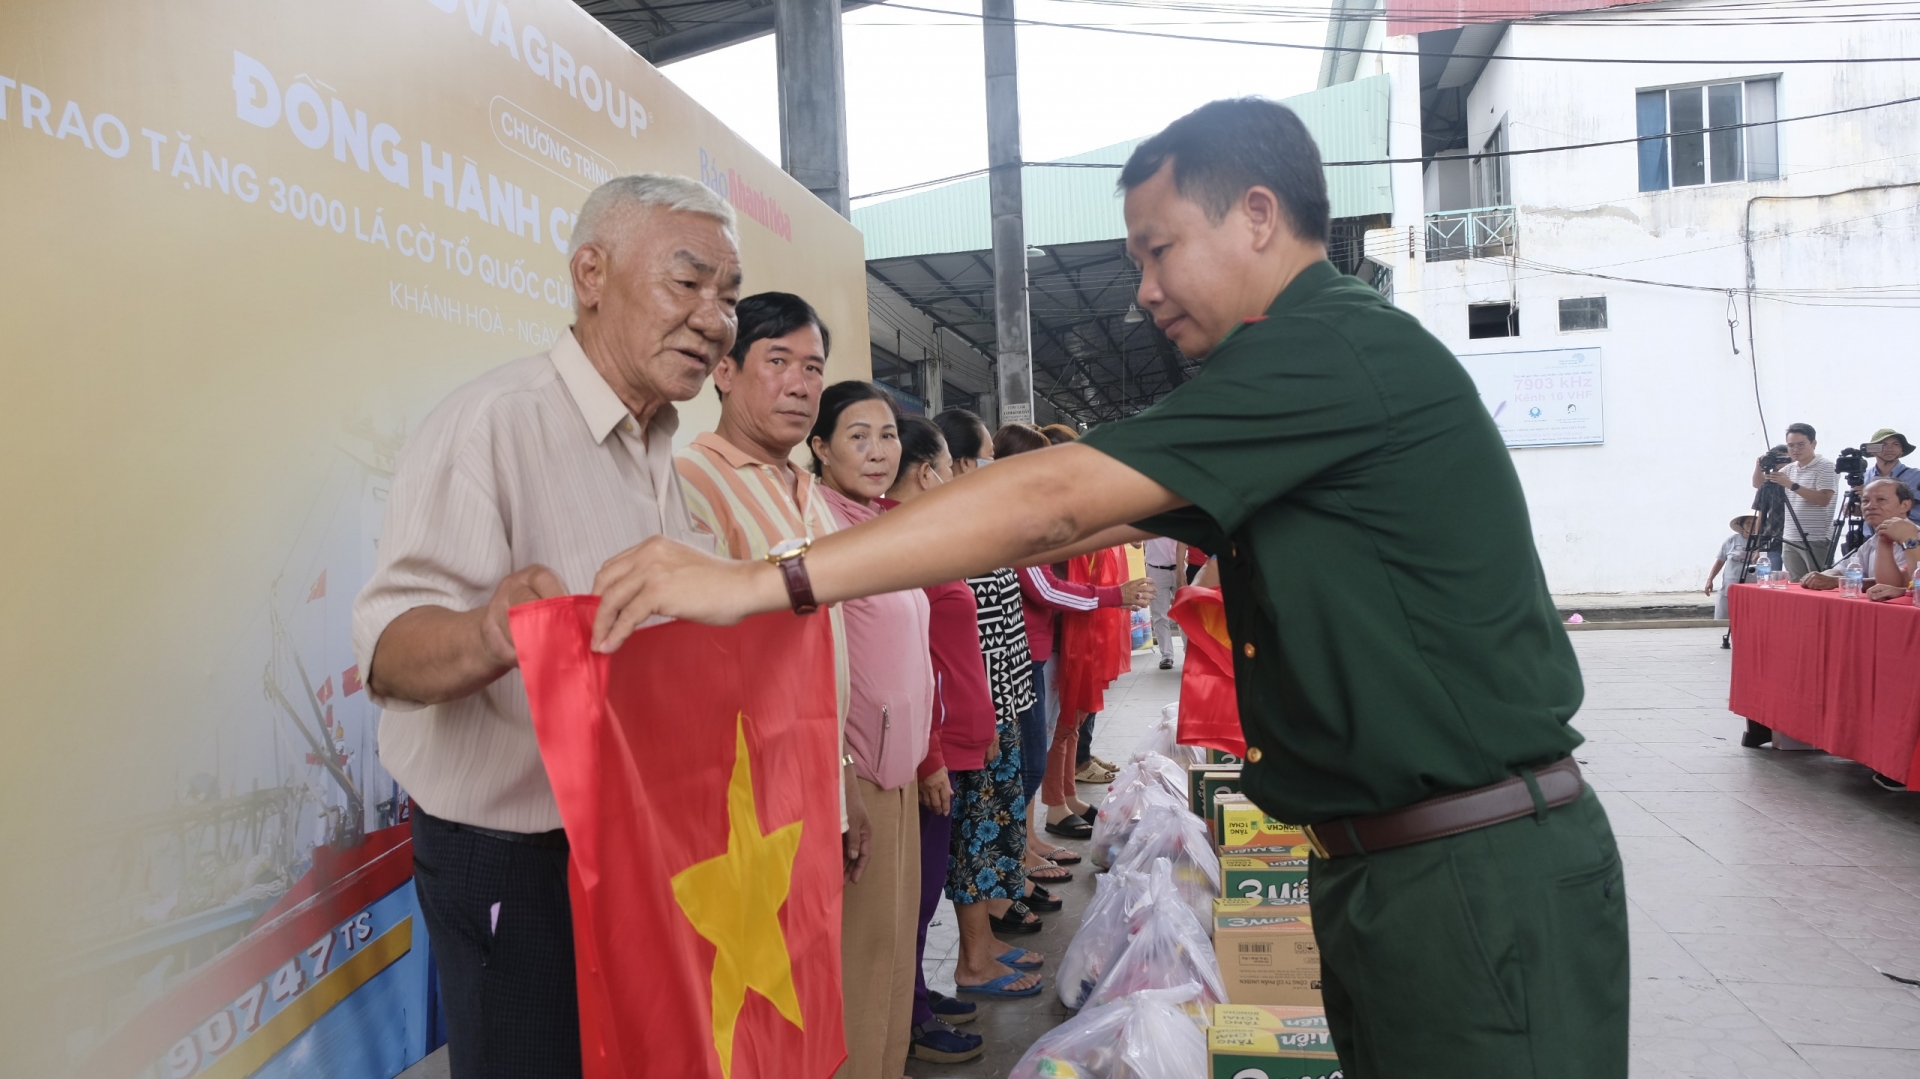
1852 463
1774 459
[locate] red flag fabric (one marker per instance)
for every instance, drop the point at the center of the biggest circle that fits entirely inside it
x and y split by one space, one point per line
697 776
1209 708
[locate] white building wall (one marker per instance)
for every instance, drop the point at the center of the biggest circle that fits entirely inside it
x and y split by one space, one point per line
1645 511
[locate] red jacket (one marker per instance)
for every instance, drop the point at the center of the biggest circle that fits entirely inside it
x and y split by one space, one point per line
963 716
1042 595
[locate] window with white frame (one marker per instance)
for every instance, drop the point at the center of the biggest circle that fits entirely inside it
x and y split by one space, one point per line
1704 141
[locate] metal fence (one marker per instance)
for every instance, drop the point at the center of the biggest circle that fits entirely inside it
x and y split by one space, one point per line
1483 232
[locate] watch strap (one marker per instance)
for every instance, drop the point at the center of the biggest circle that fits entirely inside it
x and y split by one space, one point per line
793 571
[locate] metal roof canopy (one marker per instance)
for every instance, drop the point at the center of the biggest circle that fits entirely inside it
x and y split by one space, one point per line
932 248
663 31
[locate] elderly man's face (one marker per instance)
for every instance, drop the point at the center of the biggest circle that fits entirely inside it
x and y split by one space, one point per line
774 393
662 297
1879 502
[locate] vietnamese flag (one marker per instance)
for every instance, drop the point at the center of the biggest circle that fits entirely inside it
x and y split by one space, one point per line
1209 708
697 774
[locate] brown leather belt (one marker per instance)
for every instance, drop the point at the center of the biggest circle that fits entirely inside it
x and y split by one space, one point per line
1556 784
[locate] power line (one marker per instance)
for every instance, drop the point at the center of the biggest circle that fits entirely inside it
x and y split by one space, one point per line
1423 160
1017 21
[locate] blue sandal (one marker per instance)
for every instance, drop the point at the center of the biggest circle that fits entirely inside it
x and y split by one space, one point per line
1008 960
998 987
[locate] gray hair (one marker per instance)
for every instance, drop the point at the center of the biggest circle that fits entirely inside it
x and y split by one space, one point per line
1901 492
622 195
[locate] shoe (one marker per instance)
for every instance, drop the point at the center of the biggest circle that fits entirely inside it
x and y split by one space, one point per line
1756 736
1105 763
951 1011
1166 663
941 1044
1070 827
1091 772
1015 920
1042 901
1888 783
1063 856
1048 874
998 987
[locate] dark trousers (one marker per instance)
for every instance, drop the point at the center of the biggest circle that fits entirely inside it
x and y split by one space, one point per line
936 839
1033 736
1497 952
501 924
1084 752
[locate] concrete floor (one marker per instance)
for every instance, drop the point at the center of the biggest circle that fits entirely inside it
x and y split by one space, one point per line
1766 889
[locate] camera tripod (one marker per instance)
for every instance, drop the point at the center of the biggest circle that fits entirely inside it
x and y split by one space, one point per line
1848 528
1770 503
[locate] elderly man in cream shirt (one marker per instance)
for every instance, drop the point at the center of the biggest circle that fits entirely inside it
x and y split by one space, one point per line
519 486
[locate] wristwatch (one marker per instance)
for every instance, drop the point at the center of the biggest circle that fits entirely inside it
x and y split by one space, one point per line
1795 487
1908 545
791 557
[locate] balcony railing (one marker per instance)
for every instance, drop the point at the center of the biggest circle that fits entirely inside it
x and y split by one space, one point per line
1485 232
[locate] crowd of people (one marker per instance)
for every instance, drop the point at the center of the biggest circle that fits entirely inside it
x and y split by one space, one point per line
1807 547
964 707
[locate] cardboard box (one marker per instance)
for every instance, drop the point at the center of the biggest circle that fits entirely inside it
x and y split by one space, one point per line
1221 756
1245 828
1204 784
1267 953
1268 1042
1270 878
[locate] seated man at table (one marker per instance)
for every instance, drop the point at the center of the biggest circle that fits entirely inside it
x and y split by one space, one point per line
1885 561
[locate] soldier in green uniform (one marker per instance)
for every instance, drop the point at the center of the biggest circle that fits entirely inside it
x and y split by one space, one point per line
1404 682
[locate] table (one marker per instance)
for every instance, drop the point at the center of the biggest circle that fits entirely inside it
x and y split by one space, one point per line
1841 674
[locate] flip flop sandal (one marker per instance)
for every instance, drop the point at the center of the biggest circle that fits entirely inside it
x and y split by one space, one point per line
1093 773
1062 856
1010 957
1048 874
1105 763
1070 827
1041 901
998 987
1015 920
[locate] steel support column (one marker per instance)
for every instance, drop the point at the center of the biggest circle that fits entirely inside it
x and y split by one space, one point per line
813 97
1014 362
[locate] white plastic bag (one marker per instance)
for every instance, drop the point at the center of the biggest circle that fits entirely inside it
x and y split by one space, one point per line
1163 737
1168 947
1152 767
1105 927
1174 833
1143 1036
1120 811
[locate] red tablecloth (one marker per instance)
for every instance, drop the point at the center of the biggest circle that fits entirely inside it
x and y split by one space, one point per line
1841 674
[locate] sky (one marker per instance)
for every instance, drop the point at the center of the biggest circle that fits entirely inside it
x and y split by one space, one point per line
916 94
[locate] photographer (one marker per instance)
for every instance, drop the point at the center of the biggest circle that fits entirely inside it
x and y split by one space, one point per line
1887 447
1810 484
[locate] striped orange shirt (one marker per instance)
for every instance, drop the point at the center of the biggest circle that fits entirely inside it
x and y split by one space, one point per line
748 507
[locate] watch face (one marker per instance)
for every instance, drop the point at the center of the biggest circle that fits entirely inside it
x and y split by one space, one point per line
786 547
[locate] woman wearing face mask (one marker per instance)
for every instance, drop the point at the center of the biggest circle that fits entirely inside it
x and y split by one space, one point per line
856 453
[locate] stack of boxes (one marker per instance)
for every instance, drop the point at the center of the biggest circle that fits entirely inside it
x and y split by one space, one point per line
1272 1026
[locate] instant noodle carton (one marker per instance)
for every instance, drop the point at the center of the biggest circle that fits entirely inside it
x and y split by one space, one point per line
1266 952
1268 1042
1221 756
1205 785
1270 878
1245 828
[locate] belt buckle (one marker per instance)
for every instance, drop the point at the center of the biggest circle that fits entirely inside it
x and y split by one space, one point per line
1313 840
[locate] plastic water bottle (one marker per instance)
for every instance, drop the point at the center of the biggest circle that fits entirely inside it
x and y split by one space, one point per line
1850 586
1763 571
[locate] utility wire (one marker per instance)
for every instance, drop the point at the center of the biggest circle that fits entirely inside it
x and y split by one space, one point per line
1423 160
1017 21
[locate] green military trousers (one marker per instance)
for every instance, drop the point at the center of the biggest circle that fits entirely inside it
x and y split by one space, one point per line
1497 954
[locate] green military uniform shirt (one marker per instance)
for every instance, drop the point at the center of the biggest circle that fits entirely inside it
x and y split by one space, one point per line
1392 632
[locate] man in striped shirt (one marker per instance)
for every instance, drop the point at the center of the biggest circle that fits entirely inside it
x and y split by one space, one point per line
740 483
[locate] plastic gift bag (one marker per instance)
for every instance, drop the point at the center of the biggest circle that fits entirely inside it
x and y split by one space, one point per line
1105 927
1120 812
1144 1036
1152 767
1168 947
1163 737
1174 833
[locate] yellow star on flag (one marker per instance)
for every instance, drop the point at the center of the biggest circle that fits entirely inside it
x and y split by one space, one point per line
734 901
